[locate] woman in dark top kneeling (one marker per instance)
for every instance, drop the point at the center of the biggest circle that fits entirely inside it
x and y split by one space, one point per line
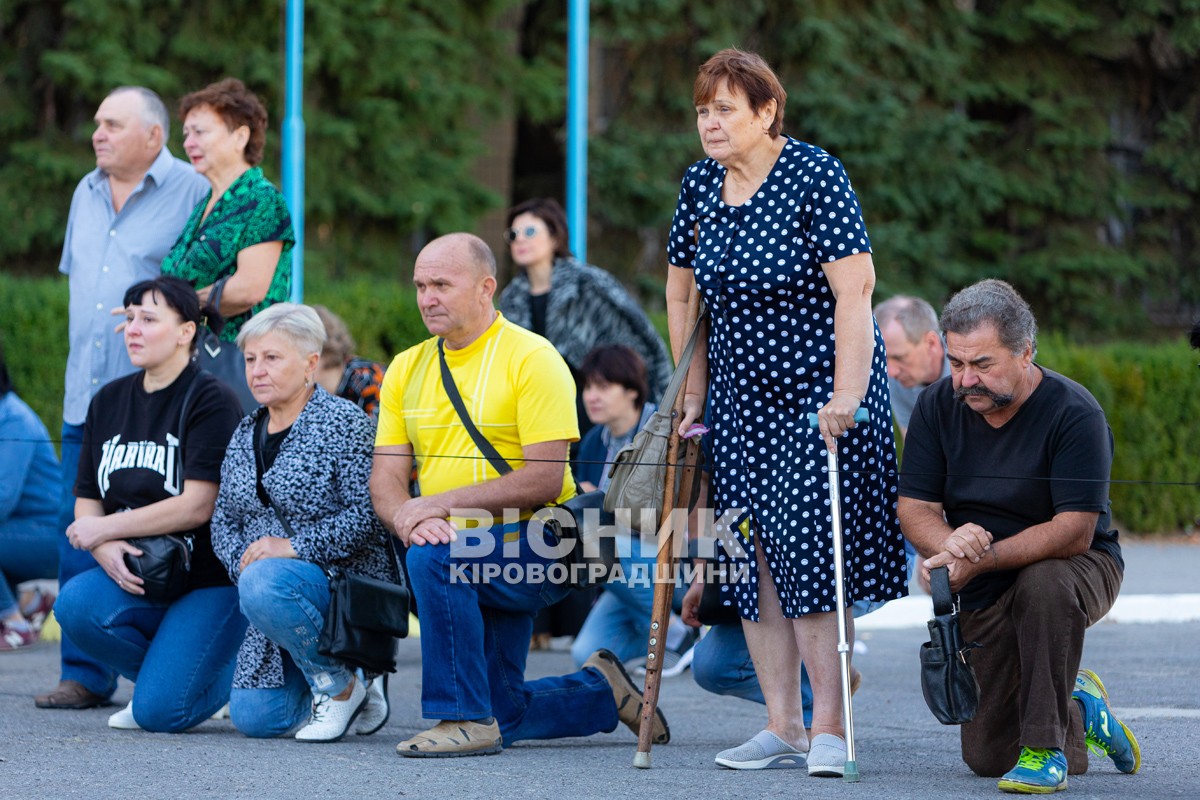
136 481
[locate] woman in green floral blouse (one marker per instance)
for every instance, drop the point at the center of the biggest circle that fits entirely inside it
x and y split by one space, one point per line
242 231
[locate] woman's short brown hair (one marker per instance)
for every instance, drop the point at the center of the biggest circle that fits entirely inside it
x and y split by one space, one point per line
744 72
616 363
548 210
237 106
339 344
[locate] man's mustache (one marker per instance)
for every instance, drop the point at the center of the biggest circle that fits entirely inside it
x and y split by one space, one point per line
979 390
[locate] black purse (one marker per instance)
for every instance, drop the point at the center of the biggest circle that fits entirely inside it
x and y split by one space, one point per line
166 560
947 679
592 554
223 359
365 615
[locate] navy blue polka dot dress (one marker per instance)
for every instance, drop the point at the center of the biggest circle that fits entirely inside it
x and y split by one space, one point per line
770 358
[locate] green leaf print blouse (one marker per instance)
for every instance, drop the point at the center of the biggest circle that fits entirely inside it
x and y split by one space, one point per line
251 211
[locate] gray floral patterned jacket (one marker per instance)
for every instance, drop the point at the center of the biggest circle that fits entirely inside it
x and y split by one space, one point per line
320 479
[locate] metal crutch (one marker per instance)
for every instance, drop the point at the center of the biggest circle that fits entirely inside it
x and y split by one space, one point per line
850 774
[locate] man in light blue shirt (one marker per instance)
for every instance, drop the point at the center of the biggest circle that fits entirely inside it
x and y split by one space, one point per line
916 356
125 215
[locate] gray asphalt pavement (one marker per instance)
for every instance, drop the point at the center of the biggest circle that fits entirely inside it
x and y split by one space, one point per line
903 752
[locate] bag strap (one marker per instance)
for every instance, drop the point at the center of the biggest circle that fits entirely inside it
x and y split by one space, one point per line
183 412
681 369
487 448
944 602
260 441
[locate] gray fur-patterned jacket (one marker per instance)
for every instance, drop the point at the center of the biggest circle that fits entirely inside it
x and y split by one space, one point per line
587 308
320 479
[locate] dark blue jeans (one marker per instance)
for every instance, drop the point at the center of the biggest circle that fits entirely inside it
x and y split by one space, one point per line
181 654
475 631
77 665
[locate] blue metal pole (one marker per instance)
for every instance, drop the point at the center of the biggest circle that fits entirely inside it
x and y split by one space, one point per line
577 132
293 140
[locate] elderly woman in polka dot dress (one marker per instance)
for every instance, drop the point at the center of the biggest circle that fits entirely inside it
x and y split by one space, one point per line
770 230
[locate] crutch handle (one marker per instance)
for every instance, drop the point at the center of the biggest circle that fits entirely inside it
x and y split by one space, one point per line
862 415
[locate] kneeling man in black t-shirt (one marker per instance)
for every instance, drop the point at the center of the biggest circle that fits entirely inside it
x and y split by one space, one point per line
1005 482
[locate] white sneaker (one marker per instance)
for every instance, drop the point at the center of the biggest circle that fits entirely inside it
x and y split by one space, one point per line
123 720
331 718
375 711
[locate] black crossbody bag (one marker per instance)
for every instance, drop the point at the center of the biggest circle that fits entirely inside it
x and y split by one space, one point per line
166 560
591 556
947 679
366 615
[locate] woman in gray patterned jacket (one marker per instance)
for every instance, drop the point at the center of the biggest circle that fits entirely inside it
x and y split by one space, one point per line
577 306
311 453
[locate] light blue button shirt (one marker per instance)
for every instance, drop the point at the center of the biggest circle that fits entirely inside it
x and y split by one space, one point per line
105 253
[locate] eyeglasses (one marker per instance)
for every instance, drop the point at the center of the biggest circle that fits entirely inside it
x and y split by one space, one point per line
528 232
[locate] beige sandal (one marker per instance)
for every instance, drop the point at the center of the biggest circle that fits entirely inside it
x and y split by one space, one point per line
452 738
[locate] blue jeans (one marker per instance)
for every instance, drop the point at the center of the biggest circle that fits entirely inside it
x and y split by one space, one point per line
181 654
721 663
28 551
620 619
77 665
475 634
275 711
286 599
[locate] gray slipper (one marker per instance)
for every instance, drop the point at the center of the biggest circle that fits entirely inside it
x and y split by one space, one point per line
764 751
827 756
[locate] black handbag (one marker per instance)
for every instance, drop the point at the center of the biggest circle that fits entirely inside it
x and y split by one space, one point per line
592 554
223 359
365 618
166 560
164 565
365 615
947 679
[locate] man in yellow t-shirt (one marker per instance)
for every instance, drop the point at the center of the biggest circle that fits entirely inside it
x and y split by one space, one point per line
478 592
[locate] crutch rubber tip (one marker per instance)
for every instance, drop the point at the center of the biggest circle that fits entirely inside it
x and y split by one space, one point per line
641 760
851 772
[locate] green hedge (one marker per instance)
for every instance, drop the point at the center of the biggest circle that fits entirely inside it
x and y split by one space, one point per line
1148 390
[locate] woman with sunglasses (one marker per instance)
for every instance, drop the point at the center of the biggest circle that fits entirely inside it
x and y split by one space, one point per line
577 306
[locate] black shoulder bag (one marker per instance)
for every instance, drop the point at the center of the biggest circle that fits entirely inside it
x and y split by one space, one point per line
365 616
590 558
223 359
166 560
947 680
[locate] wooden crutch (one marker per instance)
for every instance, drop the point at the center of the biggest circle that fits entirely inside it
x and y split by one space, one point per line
664 585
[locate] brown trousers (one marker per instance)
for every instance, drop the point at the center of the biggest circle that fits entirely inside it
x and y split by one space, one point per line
1032 643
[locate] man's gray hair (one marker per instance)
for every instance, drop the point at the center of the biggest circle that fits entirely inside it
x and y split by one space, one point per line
915 316
154 110
297 323
992 302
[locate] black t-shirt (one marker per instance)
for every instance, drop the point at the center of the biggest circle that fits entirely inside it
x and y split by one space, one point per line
130 456
268 445
537 312
1054 455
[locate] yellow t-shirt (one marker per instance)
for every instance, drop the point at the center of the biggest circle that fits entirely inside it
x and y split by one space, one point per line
515 386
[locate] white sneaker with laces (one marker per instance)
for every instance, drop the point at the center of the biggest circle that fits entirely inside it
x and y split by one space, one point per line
375 711
123 720
331 718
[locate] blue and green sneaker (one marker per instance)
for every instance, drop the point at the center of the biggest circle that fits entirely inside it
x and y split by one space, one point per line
1106 735
1038 771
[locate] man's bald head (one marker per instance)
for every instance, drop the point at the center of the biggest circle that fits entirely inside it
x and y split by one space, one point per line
455 279
465 250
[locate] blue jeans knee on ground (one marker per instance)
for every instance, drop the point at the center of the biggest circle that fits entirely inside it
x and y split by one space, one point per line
28 551
475 633
286 599
275 711
180 655
77 665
